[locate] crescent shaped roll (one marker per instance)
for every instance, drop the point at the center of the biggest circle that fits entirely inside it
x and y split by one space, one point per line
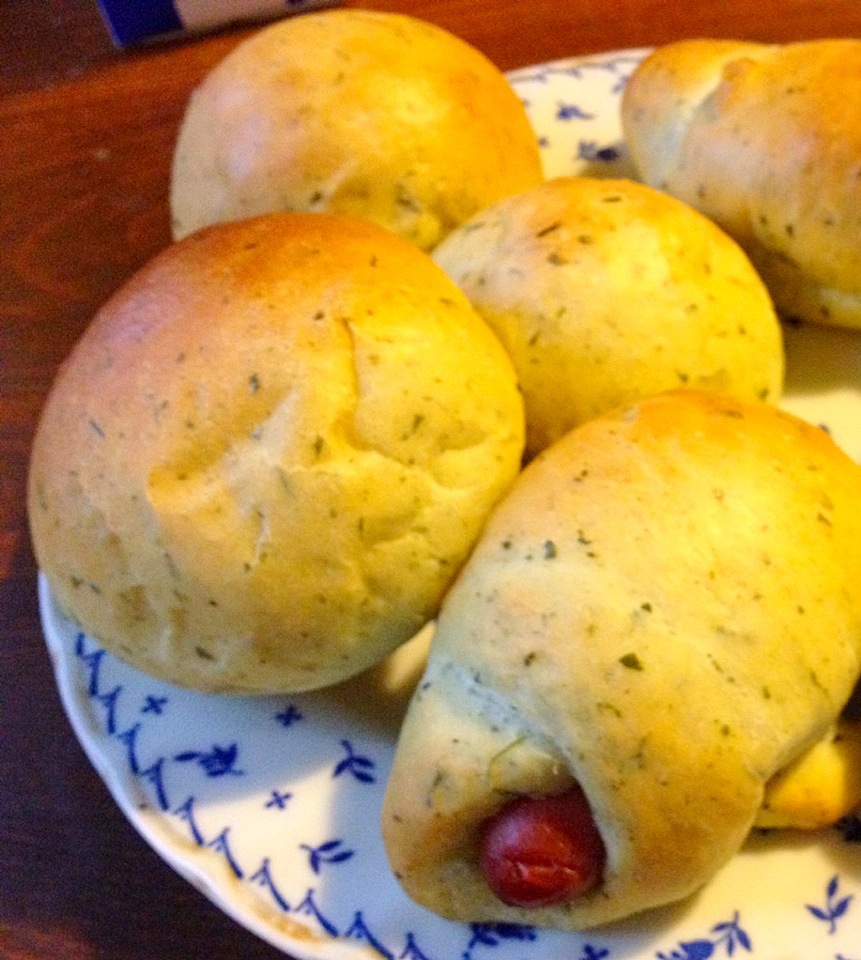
663 610
765 140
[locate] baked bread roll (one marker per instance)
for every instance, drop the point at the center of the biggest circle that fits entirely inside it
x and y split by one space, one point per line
606 291
765 140
368 114
661 615
267 457
821 786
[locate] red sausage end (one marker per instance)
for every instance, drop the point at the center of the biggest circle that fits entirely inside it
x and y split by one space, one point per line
541 851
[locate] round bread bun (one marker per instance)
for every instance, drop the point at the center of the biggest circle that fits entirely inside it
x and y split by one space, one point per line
607 291
269 454
368 114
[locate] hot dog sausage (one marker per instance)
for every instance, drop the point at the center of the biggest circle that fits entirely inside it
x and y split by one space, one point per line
539 851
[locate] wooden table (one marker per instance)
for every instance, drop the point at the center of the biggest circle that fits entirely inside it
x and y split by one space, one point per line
86 135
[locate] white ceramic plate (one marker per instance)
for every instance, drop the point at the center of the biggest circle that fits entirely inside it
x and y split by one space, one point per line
270 805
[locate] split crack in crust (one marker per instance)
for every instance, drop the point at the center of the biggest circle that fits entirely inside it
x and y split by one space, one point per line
298 361
341 448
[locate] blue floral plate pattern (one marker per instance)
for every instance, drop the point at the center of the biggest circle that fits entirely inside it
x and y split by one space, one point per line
270 805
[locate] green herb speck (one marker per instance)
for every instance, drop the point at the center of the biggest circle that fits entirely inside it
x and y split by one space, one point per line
631 661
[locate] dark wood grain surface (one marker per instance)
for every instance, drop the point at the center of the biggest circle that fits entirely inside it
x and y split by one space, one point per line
86 136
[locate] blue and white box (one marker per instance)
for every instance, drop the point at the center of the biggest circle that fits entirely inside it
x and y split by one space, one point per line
138 21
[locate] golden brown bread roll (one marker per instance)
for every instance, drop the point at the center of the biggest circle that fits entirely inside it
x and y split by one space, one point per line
355 112
605 291
820 787
269 454
766 141
663 610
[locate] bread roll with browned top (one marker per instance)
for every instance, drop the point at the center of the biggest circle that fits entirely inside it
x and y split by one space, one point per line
664 610
765 140
269 454
606 291
356 112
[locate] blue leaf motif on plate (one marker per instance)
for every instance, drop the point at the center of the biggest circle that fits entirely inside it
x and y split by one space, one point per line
354 763
835 906
691 950
332 851
217 762
589 150
493 934
594 953
728 935
570 111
